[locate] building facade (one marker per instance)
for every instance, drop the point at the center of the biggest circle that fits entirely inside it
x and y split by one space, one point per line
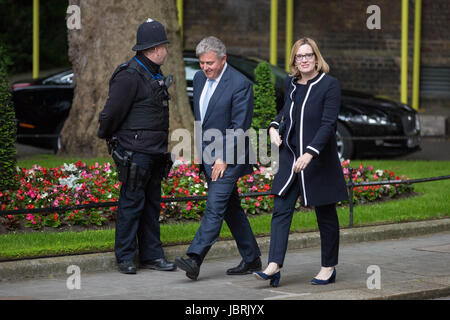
363 59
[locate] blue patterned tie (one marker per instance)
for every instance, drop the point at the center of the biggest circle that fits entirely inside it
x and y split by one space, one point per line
207 97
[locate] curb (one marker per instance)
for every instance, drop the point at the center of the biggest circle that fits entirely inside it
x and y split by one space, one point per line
103 262
424 289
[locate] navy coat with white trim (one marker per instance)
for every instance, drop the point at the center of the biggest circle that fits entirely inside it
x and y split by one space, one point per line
322 181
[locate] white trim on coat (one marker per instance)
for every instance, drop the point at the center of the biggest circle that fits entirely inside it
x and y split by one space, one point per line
287 141
275 123
313 149
301 133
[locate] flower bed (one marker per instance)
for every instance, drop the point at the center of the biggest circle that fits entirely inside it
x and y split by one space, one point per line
77 184
364 194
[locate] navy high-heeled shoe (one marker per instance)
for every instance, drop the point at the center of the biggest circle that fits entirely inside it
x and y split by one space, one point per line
331 279
274 278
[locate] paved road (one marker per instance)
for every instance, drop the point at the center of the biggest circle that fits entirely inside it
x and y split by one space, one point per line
25 151
432 149
392 268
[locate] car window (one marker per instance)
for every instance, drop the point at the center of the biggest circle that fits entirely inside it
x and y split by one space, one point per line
191 67
60 78
245 66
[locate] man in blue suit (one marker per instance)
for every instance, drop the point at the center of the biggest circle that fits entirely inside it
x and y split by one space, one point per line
223 106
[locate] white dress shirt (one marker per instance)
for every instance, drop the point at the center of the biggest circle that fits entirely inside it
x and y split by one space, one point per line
213 88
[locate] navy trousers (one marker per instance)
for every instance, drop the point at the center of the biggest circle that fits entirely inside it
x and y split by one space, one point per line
327 220
224 204
137 224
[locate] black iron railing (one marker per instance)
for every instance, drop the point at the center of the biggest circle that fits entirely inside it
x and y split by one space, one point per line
350 185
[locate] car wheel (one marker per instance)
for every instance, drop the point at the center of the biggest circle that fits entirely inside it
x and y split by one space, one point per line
344 142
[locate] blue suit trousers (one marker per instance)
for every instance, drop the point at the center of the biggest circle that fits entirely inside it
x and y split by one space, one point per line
224 204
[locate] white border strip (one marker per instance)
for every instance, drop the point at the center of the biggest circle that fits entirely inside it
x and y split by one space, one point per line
301 133
313 149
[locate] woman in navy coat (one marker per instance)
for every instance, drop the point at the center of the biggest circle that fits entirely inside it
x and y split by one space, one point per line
309 166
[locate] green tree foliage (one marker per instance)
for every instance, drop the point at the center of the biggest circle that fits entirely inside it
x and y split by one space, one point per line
265 106
16 34
8 129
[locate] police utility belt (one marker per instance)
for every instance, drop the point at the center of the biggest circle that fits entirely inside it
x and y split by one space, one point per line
129 172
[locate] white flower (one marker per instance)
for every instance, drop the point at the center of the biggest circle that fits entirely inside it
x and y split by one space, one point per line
69 167
379 173
69 181
179 162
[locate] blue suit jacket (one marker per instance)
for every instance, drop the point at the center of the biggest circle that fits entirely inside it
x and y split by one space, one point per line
230 108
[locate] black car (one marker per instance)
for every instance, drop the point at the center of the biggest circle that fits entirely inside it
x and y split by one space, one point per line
42 106
367 125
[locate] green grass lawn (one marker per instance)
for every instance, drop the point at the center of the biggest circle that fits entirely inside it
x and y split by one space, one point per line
433 202
52 161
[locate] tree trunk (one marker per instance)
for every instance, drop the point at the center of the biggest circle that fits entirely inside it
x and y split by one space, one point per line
104 41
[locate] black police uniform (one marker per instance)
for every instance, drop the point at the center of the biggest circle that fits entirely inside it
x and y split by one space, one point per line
137 115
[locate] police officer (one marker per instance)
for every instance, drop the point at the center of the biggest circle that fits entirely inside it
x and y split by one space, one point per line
136 118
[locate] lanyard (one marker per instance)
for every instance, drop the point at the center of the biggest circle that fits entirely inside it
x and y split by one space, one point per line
157 77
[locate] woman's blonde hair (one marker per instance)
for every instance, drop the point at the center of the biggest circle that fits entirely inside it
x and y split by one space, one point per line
321 64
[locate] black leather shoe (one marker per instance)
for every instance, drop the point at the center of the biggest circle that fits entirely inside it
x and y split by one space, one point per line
159 264
246 268
190 266
127 267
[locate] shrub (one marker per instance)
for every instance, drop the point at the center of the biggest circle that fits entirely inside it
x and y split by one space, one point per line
265 105
8 129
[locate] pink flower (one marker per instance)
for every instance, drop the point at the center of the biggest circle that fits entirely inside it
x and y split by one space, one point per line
31 194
